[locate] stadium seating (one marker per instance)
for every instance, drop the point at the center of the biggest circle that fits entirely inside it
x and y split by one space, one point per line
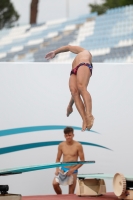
109 38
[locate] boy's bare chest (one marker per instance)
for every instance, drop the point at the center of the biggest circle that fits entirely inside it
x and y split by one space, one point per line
70 150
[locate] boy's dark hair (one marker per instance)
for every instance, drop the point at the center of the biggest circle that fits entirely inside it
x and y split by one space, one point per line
68 130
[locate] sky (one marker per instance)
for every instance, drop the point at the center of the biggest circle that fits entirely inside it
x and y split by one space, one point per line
52 9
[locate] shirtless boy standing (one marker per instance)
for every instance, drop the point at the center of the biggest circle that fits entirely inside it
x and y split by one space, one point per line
78 82
71 151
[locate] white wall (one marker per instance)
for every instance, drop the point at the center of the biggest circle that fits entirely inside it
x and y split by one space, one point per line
37 95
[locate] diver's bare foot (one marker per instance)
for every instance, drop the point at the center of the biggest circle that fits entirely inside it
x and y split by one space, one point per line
84 125
69 110
89 121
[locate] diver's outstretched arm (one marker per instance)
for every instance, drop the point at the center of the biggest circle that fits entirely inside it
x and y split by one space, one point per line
73 49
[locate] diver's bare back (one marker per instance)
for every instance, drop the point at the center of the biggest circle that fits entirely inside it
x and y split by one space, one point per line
70 152
82 57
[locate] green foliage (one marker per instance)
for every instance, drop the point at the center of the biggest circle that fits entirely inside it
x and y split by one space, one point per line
8 14
108 4
100 9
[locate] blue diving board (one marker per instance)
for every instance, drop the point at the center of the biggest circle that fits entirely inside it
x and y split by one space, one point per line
19 170
102 176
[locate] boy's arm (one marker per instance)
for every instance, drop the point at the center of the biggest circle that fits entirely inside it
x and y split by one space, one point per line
59 154
73 49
